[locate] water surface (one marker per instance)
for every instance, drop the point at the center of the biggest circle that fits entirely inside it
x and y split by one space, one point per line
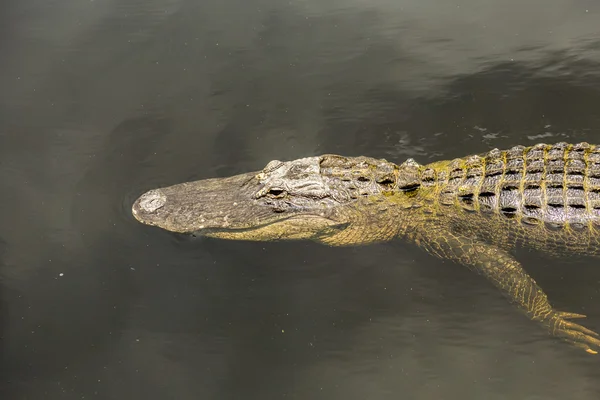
102 100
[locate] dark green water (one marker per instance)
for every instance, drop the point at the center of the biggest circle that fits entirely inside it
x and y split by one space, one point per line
102 100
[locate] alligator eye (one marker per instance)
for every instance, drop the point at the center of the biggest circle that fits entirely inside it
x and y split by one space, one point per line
276 192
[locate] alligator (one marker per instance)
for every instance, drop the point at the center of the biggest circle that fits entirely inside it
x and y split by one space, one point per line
475 211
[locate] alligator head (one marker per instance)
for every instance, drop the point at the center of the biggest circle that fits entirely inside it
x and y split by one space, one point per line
309 198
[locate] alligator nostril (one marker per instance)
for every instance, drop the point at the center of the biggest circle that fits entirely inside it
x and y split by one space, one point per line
152 201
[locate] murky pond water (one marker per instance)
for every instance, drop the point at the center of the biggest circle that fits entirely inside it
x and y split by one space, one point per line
102 100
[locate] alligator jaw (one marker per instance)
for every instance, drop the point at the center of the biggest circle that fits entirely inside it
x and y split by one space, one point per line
306 226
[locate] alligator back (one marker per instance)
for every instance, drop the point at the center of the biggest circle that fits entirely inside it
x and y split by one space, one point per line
545 196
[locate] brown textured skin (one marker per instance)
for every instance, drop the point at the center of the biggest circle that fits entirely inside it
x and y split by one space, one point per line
474 211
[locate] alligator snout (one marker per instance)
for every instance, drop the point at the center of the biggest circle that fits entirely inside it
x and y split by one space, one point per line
190 207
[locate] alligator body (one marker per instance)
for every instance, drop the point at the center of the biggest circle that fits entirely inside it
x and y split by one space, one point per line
474 211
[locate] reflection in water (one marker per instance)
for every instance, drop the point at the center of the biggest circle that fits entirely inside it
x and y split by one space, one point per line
102 101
